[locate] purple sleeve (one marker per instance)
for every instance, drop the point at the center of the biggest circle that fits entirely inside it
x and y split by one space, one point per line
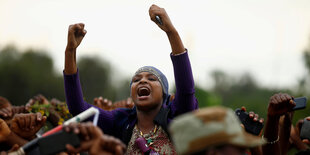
185 99
76 103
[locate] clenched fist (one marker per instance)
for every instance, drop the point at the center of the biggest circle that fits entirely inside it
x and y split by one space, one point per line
76 34
161 12
27 125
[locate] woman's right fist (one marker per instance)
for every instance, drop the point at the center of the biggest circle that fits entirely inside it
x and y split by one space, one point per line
76 33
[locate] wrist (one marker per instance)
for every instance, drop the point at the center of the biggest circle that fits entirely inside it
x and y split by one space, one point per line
70 49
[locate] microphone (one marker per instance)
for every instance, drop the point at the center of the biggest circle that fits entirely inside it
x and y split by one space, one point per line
142 145
79 118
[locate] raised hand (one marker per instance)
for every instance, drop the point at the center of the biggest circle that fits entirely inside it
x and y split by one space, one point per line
103 103
76 33
254 116
93 140
280 104
27 125
166 25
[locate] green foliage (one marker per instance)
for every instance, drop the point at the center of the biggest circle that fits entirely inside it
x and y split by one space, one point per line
25 74
95 78
206 98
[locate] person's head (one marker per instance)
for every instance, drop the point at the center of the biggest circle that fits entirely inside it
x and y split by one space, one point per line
213 130
149 88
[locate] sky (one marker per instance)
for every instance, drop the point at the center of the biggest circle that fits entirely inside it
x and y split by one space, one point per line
265 38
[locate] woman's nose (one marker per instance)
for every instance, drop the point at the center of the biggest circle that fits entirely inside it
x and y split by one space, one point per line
143 80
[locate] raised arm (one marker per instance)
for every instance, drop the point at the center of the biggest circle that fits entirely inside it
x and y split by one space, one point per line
73 90
185 93
76 34
279 105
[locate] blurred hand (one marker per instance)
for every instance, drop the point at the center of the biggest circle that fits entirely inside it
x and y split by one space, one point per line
161 12
4 131
255 118
76 34
6 112
128 103
104 104
18 109
27 125
280 104
13 150
94 141
36 99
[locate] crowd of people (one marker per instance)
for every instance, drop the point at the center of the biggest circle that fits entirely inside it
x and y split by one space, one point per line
151 121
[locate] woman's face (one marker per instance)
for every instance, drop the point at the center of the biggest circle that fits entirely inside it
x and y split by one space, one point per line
146 91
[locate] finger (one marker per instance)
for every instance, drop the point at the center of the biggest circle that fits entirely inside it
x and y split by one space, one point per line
284 97
27 121
32 122
251 114
14 148
71 149
21 122
8 111
288 97
278 98
119 150
39 116
255 117
306 141
84 132
242 126
292 104
3 114
66 128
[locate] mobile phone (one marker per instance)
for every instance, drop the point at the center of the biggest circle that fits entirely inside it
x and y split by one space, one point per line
253 127
159 20
300 103
56 142
305 130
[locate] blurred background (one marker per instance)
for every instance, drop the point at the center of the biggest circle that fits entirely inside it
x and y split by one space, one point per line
241 51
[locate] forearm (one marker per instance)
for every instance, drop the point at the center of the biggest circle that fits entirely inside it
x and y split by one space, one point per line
70 61
284 133
271 135
185 88
74 94
176 43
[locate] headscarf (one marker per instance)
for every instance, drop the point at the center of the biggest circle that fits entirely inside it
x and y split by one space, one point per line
161 77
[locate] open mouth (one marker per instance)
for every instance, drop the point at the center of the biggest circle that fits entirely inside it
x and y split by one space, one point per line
144 91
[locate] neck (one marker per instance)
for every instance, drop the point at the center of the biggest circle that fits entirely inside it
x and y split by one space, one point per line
145 119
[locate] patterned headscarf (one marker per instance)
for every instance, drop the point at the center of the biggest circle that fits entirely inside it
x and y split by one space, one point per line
161 77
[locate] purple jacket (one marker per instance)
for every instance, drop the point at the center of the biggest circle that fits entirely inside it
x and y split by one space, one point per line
120 122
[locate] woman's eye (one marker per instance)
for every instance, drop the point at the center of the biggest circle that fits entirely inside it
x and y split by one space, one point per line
152 79
135 80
